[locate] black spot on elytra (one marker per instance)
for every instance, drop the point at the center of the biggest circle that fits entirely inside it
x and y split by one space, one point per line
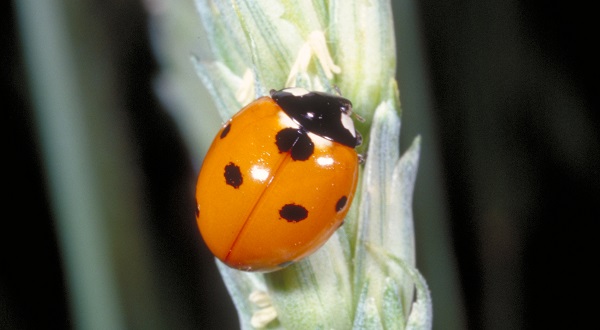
285 139
293 212
197 209
225 130
341 203
295 141
233 175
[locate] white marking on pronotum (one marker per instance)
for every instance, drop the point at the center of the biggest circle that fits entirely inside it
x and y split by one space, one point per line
319 141
348 124
296 91
287 121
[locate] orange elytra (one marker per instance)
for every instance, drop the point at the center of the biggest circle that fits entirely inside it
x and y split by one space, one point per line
278 179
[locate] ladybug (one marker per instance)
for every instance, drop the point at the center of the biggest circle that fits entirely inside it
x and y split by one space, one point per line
278 179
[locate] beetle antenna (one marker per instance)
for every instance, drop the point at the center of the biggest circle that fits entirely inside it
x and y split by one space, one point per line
337 90
358 117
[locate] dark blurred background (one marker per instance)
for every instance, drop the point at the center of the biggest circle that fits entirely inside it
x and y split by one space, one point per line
514 111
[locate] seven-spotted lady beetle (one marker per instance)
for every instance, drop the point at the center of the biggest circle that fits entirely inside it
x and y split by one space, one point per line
278 179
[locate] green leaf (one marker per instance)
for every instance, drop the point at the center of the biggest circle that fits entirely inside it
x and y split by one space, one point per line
367 314
365 49
421 312
392 308
311 292
373 224
243 288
